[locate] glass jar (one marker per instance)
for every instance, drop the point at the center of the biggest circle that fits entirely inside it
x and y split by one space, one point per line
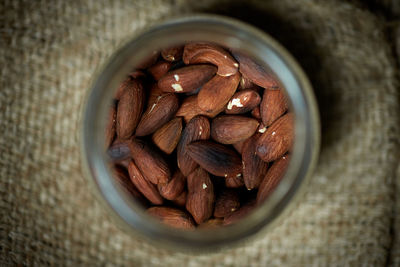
232 34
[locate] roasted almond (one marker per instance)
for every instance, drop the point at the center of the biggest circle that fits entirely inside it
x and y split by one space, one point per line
240 213
277 139
156 115
154 95
245 83
152 165
255 113
254 169
230 129
212 223
234 181
111 125
243 101
148 189
190 109
130 108
121 88
272 178
172 53
239 146
186 79
208 53
254 72
197 128
181 199
119 150
167 137
226 203
215 158
174 187
200 197
125 183
159 69
273 105
172 217
216 93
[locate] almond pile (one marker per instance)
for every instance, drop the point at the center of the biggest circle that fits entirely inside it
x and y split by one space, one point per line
199 135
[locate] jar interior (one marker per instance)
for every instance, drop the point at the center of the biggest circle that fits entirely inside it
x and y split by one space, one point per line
236 38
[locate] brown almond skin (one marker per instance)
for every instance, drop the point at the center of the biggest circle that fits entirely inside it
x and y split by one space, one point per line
208 53
230 129
180 201
130 108
186 79
239 146
167 137
226 203
155 93
190 109
240 213
255 113
212 223
254 168
197 128
119 150
273 105
234 181
111 125
174 187
121 88
172 54
277 139
215 158
156 115
216 93
172 217
245 83
254 72
272 178
200 198
122 178
151 164
243 102
144 186
159 69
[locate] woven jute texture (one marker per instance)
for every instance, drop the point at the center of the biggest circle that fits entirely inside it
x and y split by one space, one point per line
49 51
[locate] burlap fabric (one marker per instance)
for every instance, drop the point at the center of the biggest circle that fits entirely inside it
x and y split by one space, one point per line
49 51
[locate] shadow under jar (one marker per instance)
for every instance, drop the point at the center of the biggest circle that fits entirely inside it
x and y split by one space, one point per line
240 41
